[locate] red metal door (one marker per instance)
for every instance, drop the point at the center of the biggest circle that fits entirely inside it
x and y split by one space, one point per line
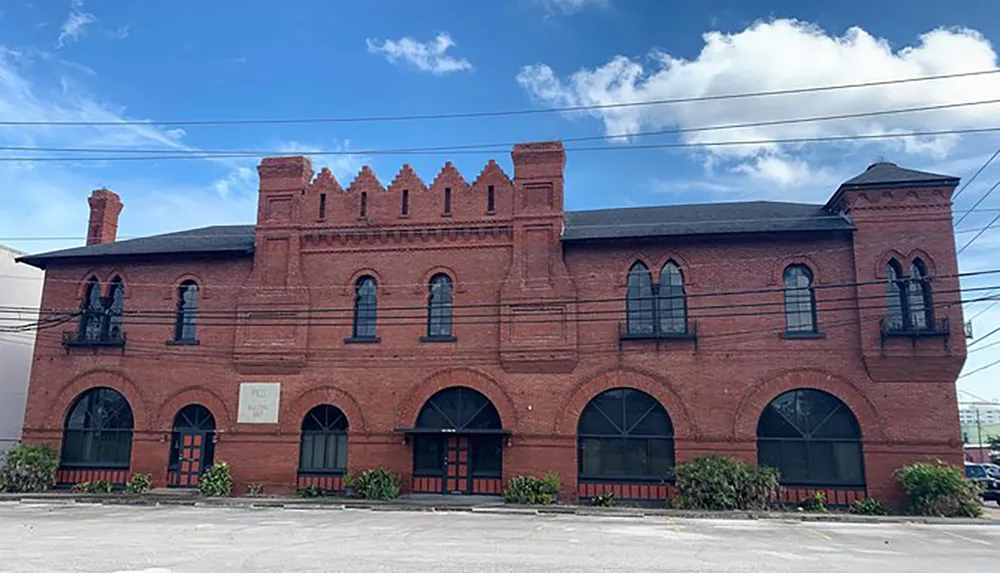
190 461
457 478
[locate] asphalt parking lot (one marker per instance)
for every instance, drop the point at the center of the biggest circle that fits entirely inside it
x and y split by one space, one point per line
118 539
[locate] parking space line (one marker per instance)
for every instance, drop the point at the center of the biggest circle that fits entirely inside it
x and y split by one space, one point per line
964 538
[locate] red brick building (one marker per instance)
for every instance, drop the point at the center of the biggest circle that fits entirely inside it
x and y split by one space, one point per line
462 333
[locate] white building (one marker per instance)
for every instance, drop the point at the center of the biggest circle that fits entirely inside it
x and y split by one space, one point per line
20 297
989 414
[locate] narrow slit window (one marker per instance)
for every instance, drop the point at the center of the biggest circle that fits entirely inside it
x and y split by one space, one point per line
364 203
322 205
405 209
490 199
447 200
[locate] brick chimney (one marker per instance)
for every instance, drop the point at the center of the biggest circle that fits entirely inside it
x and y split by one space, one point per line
105 206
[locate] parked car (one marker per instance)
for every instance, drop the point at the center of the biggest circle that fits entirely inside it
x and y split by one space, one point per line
979 474
993 470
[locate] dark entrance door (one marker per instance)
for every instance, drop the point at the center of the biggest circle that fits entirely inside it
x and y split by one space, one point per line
192 446
457 444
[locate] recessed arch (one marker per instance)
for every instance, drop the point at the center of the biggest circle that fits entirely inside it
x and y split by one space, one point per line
625 433
291 418
97 430
466 376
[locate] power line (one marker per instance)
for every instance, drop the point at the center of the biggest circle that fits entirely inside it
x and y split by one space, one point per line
506 145
983 311
978 203
990 345
973 178
977 370
982 338
979 234
466 151
503 113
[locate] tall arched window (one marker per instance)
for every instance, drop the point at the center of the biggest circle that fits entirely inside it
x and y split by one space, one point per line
625 434
639 301
323 448
919 301
98 431
811 438
115 310
439 307
365 307
185 329
895 301
800 300
91 312
671 300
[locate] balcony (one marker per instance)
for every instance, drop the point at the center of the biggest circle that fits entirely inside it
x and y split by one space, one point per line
895 327
75 339
654 330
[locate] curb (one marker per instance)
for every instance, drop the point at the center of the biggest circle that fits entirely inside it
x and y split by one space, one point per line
491 509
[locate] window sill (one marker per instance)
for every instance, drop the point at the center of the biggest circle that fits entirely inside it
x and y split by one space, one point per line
362 340
802 335
660 336
438 338
183 342
322 472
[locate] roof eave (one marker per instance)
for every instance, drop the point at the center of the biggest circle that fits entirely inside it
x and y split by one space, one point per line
844 188
42 261
707 234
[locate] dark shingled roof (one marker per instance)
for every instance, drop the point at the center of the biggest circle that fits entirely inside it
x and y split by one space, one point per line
704 219
885 173
666 221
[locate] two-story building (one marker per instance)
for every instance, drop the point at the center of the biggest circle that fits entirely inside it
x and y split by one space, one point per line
462 333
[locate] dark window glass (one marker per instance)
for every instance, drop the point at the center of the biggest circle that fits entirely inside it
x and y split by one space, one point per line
919 297
639 301
625 434
439 306
405 207
91 312
447 200
894 289
811 438
671 300
115 310
187 309
365 307
486 455
98 431
800 300
324 441
490 199
459 408
322 205
428 455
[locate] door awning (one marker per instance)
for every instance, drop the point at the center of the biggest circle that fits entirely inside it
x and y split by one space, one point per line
439 431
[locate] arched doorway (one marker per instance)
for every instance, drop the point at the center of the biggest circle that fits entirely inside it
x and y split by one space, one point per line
813 439
458 444
625 446
323 449
192 446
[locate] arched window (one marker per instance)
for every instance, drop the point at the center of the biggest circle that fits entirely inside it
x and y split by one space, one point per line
453 420
671 300
625 434
91 312
187 308
811 438
365 307
895 301
439 306
115 310
98 431
323 448
800 300
919 301
639 301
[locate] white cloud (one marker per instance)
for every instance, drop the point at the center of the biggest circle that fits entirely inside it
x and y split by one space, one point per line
571 6
343 167
75 24
784 54
428 56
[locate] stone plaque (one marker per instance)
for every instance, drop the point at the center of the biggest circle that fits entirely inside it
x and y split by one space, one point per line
259 402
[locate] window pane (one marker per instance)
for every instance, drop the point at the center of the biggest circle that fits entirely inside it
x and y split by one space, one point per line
639 301
341 457
365 304
306 452
428 454
487 455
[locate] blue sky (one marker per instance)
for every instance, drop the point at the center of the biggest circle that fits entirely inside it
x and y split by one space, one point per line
108 60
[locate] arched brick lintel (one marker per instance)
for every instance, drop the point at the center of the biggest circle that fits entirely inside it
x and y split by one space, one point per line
291 417
98 378
406 414
194 395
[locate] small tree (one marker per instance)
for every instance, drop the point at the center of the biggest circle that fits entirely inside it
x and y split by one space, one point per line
939 489
29 468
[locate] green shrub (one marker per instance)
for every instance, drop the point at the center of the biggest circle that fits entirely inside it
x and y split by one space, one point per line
939 489
255 489
715 482
531 490
29 468
606 499
868 506
311 491
139 483
815 503
378 484
217 481
96 486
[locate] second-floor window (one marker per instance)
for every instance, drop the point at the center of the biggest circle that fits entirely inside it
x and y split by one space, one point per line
655 309
365 307
908 300
115 309
439 306
101 317
800 300
185 329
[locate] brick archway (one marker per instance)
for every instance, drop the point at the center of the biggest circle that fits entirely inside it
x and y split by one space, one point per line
409 407
761 393
194 395
105 378
291 418
652 384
